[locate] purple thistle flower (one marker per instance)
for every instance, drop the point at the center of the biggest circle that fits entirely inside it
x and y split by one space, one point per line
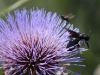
34 43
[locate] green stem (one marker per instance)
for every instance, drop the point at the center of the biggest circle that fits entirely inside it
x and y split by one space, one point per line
13 6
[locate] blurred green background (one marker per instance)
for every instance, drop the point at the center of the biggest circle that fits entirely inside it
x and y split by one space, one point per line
87 17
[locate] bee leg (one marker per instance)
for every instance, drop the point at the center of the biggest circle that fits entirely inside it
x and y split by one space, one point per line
73 47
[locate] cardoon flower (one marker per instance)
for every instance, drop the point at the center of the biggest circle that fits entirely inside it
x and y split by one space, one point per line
34 43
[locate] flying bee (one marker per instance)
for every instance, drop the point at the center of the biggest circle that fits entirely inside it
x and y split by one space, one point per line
81 39
67 17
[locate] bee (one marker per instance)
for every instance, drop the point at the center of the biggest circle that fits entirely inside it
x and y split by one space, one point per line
78 39
81 39
67 17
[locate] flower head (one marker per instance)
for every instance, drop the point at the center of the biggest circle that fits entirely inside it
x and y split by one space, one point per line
34 43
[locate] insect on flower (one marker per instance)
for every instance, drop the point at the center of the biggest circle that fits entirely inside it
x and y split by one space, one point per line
33 43
77 38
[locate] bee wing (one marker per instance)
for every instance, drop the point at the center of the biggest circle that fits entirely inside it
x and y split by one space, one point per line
73 33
